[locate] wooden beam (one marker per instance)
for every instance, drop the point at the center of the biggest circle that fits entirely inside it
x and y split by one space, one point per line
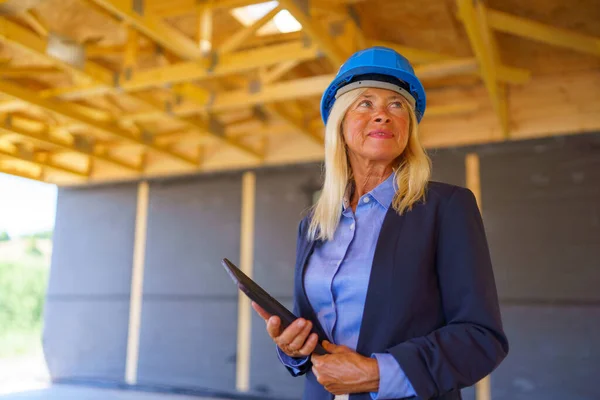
32 19
316 32
232 63
305 87
18 72
103 78
431 64
243 34
484 47
66 111
131 52
537 31
16 172
94 51
29 42
415 56
294 121
276 72
17 125
39 160
151 26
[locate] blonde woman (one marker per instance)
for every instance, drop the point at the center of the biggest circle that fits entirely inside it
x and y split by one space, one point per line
391 268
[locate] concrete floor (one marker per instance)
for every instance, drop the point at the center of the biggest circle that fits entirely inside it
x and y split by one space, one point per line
67 392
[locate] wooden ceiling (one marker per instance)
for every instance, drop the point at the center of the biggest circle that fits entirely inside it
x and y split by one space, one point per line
108 90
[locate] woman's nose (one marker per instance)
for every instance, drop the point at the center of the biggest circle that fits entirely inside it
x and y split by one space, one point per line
381 117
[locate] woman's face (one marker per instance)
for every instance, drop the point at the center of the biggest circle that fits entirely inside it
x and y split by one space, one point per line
375 127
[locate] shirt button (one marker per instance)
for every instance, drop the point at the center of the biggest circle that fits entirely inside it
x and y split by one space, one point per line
366 199
352 227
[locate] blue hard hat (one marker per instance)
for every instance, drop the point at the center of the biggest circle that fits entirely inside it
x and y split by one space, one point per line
376 64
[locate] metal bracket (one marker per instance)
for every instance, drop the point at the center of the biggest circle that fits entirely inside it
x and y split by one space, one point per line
306 41
354 15
254 86
303 5
128 73
138 6
178 99
336 29
214 60
259 113
82 143
169 107
216 127
146 137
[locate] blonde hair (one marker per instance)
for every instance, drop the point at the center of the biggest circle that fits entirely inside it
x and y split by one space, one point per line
412 171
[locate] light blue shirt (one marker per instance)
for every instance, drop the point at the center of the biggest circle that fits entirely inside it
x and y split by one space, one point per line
337 278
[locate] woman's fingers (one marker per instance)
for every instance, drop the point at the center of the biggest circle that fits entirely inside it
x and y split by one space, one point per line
264 315
274 327
309 345
297 342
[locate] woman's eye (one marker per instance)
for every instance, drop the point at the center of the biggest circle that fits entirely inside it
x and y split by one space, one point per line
364 103
396 104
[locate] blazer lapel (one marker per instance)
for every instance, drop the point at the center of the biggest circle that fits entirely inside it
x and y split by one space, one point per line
377 304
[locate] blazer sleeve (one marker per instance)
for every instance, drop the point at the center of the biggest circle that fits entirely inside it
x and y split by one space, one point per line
472 343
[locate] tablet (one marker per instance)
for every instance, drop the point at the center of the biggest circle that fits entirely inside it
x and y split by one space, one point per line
263 299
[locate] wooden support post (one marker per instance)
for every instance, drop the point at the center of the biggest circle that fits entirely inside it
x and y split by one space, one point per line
137 281
242 382
482 388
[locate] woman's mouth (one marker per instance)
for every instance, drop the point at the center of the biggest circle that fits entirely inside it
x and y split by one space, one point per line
381 134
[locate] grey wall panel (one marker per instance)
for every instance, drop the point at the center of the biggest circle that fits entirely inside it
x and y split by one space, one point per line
192 225
541 205
189 343
448 166
555 354
282 199
189 318
93 241
87 309
86 338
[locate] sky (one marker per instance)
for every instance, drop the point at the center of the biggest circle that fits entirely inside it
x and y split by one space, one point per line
26 206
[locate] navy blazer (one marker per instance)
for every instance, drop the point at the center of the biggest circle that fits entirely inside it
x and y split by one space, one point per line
431 300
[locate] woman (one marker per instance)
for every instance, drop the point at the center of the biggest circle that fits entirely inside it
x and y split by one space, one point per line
392 268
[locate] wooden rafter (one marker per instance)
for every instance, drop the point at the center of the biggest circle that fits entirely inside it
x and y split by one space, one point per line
316 32
243 34
66 111
41 160
16 172
101 80
537 31
15 125
151 26
295 121
484 46
227 64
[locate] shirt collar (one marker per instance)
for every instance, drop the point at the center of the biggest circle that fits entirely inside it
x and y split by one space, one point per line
382 193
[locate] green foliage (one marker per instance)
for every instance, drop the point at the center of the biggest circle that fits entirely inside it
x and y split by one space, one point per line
32 248
4 237
40 235
22 294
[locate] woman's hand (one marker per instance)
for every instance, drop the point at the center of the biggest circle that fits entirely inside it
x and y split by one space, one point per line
345 371
293 340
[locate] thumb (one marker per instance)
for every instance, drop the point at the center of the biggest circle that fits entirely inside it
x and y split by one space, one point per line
332 348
